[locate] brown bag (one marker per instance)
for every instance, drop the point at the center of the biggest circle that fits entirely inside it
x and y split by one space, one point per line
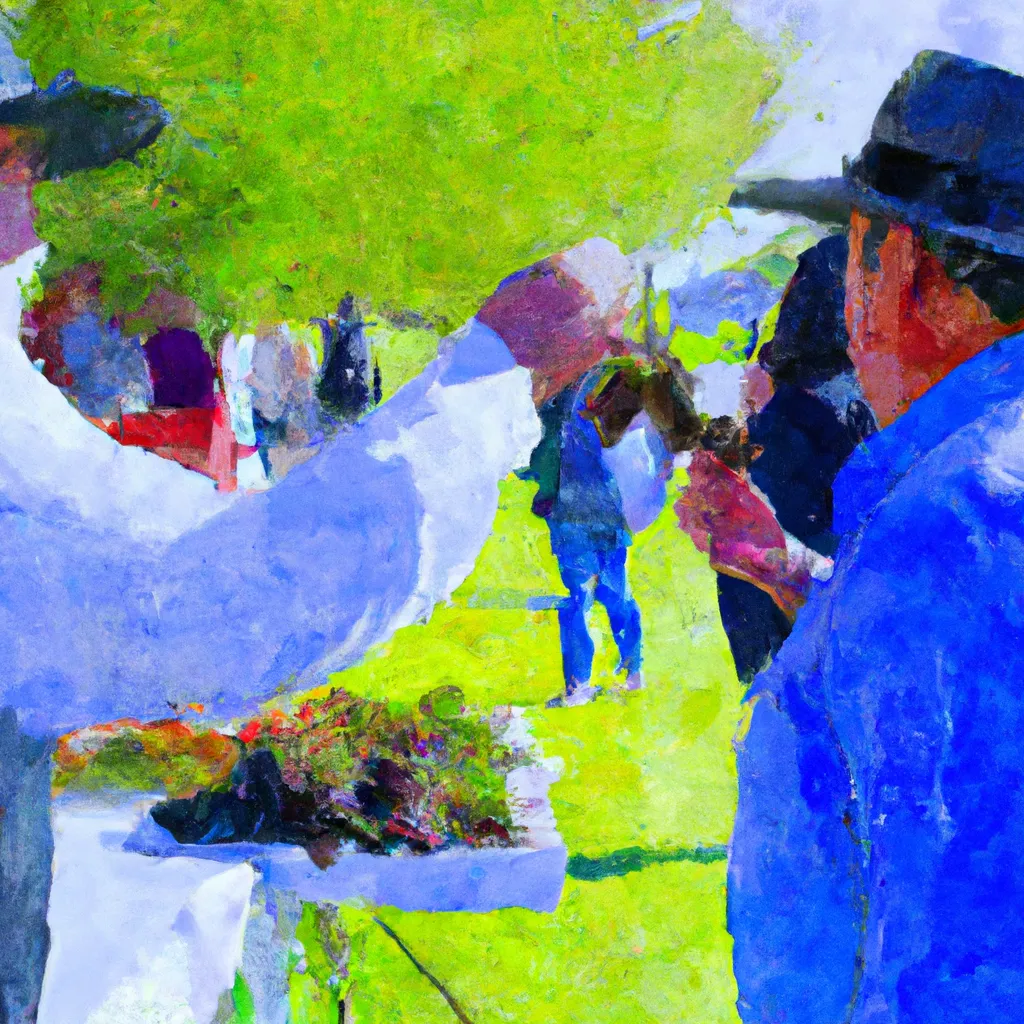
630 387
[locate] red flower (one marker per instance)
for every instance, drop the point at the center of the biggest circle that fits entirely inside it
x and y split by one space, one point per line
249 731
398 827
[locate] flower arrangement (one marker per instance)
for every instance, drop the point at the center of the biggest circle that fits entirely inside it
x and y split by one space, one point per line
340 772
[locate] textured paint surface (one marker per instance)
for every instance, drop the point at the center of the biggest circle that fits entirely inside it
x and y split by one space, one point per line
313 571
413 155
634 937
416 554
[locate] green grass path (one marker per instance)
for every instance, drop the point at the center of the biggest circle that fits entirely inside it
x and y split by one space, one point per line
648 779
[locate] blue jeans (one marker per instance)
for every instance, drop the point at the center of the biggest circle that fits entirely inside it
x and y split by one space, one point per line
594 571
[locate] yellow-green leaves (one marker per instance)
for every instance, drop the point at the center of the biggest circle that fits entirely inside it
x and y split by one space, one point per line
411 153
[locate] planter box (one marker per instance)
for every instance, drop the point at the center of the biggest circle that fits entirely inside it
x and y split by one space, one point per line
530 874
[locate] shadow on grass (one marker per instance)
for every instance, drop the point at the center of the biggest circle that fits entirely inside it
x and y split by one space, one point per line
636 858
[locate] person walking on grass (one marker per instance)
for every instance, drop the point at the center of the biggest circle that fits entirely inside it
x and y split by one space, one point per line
591 450
579 499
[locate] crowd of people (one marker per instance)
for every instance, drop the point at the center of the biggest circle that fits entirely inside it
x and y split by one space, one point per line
863 514
865 521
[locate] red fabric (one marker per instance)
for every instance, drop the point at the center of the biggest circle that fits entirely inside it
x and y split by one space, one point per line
249 731
552 326
198 439
163 428
223 447
728 521
181 435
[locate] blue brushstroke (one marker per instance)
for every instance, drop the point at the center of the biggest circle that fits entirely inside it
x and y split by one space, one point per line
875 871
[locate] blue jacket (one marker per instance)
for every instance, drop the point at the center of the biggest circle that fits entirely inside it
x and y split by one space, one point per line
586 505
877 866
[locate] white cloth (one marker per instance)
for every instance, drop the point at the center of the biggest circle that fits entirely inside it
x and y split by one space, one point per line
137 938
641 466
127 581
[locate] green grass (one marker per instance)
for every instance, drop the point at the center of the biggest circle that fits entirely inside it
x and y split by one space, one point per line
401 354
411 151
648 787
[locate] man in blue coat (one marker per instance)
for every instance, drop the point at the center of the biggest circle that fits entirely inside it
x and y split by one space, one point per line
876 870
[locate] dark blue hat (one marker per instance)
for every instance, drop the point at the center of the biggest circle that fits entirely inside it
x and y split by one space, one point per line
946 152
83 127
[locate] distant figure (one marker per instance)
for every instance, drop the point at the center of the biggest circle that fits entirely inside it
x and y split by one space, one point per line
286 414
378 383
579 495
345 381
80 351
581 502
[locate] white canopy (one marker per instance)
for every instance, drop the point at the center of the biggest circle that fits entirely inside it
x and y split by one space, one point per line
127 582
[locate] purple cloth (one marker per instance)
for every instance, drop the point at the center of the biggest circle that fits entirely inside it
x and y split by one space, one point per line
181 371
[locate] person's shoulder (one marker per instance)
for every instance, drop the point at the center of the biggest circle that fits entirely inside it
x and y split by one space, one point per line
939 563
980 464
950 532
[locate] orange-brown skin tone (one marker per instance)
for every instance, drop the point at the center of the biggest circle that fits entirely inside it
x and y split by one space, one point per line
909 324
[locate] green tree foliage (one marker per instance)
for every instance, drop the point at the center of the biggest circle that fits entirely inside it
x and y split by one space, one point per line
412 151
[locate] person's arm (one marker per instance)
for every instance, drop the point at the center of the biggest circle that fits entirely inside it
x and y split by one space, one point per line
924 691
546 458
796 865
731 522
879 780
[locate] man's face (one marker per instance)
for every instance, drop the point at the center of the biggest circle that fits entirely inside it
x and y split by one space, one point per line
910 324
